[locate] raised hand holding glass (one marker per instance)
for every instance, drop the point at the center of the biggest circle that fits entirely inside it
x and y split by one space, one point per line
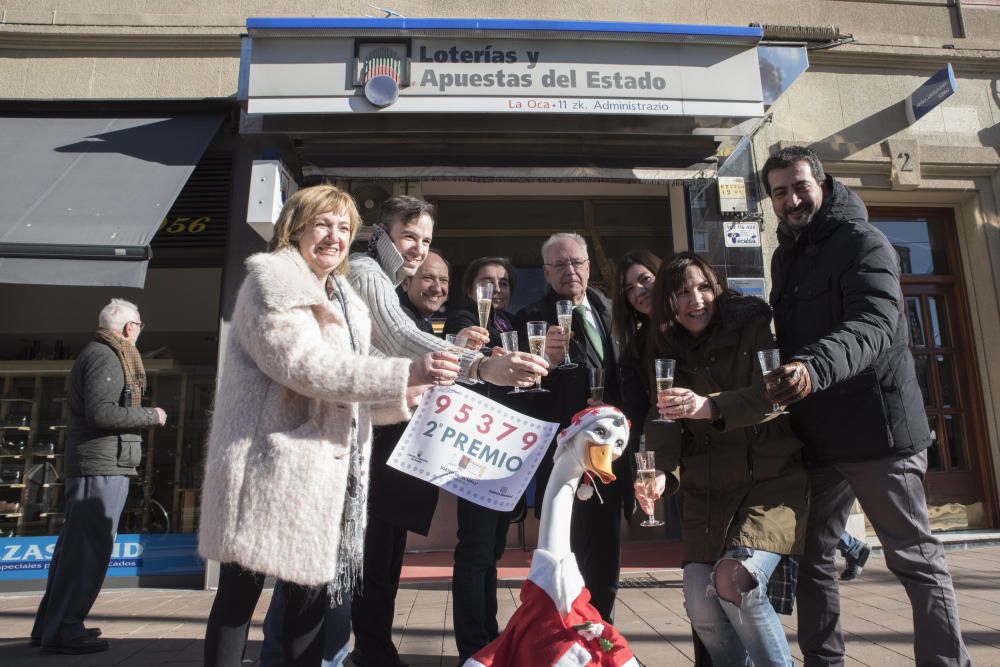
564 311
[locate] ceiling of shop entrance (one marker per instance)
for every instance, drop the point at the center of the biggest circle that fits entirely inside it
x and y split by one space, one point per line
476 140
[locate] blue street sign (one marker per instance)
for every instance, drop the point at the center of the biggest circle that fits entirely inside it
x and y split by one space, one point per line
931 93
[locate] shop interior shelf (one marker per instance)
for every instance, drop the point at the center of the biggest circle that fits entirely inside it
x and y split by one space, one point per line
16 485
16 399
11 456
15 428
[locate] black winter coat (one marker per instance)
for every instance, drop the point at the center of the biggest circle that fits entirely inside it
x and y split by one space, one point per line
393 496
103 435
635 375
838 307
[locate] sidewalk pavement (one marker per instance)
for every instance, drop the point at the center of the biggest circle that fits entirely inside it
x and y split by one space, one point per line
164 628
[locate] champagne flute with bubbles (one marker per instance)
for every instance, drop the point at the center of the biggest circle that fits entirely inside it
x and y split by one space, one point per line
564 311
664 379
484 301
646 475
770 360
536 345
508 339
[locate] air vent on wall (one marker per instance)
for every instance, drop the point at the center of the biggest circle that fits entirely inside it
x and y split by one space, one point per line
369 197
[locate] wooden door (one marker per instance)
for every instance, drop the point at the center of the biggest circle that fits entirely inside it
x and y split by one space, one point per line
958 461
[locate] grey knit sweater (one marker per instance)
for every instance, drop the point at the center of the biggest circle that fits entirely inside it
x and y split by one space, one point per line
394 333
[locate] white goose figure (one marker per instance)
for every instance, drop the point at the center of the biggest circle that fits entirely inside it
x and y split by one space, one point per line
556 626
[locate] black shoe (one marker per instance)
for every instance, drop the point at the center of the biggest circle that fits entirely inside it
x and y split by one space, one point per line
358 660
78 646
93 633
855 566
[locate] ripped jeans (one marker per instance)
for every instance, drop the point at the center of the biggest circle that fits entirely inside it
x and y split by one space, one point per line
736 635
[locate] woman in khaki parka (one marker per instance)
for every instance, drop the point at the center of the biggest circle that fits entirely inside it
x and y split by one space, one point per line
745 489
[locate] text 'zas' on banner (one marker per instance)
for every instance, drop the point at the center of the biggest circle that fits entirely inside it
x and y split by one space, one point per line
473 447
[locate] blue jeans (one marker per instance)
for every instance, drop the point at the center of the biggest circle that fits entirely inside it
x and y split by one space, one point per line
736 635
337 628
848 545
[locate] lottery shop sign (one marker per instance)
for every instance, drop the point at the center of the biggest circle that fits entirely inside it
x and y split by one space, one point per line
473 447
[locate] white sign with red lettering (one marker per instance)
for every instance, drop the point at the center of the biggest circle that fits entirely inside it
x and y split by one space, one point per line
473 447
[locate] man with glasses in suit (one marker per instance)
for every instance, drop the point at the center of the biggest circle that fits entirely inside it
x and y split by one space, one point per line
595 531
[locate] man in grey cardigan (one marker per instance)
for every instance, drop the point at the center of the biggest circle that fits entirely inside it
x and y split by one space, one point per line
103 448
398 246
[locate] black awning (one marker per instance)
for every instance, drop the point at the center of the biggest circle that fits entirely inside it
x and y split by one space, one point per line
82 197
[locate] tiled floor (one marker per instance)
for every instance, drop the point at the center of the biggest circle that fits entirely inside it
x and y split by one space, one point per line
160 628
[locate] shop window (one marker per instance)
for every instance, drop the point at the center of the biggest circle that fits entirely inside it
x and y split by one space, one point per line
920 244
38 342
915 318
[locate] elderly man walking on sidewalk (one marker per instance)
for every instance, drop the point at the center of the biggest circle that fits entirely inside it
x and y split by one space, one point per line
103 448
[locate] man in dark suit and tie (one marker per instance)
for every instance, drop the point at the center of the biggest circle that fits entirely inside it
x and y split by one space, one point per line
595 531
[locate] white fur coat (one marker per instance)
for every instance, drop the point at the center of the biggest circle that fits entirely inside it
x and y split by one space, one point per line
277 460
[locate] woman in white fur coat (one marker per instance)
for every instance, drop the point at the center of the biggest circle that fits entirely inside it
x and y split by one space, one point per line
287 464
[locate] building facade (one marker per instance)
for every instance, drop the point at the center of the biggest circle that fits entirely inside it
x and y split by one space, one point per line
127 126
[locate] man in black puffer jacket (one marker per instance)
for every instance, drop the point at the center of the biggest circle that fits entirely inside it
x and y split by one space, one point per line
103 447
855 402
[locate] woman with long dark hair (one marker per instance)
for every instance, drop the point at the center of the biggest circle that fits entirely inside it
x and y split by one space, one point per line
632 302
745 489
631 307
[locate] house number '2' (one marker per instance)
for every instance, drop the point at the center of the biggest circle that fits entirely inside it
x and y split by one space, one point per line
907 162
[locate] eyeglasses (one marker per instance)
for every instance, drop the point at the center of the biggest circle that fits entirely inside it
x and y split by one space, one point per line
138 324
645 281
577 264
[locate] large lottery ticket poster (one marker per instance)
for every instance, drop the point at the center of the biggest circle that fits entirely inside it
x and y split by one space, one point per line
473 447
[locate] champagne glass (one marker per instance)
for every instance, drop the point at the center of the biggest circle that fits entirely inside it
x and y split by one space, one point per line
770 360
508 339
456 343
664 380
564 311
536 345
484 301
646 475
596 384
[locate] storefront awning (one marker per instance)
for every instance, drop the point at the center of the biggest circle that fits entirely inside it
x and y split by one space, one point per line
83 196
518 174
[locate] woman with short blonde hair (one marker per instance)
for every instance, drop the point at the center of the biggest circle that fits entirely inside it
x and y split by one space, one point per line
286 470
